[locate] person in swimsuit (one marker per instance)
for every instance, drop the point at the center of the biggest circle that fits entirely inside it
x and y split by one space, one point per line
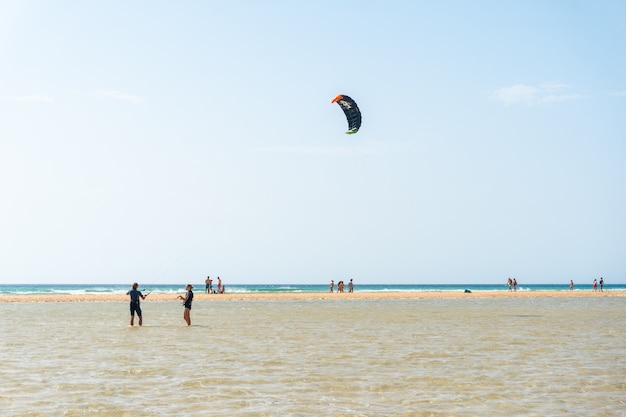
135 297
187 300
571 285
332 285
219 285
209 285
350 286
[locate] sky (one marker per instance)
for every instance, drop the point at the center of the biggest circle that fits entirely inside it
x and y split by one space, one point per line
162 142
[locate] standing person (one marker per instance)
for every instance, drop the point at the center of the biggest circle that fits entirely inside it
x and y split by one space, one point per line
208 285
595 284
332 285
219 285
514 284
510 283
571 285
340 286
135 297
187 300
601 284
350 286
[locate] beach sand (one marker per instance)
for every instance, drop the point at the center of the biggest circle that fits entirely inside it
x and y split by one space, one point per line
200 296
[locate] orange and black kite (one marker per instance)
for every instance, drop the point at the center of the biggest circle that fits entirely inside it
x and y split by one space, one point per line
352 112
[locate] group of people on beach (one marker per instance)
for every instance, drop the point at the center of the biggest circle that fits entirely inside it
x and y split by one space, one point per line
595 285
135 303
340 286
208 282
512 283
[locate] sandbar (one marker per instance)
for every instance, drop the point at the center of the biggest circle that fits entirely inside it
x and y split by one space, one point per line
368 295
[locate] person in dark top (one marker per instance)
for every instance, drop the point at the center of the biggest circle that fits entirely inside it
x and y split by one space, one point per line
208 285
187 300
350 286
135 297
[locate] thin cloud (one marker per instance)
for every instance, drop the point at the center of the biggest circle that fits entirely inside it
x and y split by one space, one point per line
517 94
371 148
35 98
313 150
118 95
561 97
531 95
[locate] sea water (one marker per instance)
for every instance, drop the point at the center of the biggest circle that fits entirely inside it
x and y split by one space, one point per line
77 289
334 357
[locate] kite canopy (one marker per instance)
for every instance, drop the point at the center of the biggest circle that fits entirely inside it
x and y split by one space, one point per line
352 112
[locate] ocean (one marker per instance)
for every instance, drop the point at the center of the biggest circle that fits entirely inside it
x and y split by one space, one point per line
353 357
35 289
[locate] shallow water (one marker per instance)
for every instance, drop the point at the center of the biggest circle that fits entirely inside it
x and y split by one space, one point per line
439 357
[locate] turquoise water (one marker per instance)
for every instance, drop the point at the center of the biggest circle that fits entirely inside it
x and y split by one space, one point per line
16 289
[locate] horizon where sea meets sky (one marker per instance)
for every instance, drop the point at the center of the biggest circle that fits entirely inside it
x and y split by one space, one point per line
163 142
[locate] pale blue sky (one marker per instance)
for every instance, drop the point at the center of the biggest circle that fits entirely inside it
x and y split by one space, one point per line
166 141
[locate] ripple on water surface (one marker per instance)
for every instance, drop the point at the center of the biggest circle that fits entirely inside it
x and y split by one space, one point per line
461 357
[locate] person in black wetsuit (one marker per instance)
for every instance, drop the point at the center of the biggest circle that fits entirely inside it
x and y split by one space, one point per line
187 300
135 307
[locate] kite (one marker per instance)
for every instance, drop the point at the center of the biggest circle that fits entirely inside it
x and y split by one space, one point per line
352 112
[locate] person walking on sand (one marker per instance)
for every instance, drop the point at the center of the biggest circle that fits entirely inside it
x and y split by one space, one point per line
350 286
595 284
208 285
219 285
187 300
601 284
510 284
514 284
571 285
332 285
135 306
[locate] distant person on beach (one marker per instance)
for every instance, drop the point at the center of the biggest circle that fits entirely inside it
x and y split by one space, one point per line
340 286
510 284
350 286
135 306
595 284
209 285
187 300
514 284
332 285
571 285
219 285
601 284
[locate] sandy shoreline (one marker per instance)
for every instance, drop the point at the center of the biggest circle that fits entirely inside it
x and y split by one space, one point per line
198 296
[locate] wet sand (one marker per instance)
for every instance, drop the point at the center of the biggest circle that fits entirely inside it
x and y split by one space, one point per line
199 296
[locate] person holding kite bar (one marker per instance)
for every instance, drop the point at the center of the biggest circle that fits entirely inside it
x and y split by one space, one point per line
187 299
135 297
